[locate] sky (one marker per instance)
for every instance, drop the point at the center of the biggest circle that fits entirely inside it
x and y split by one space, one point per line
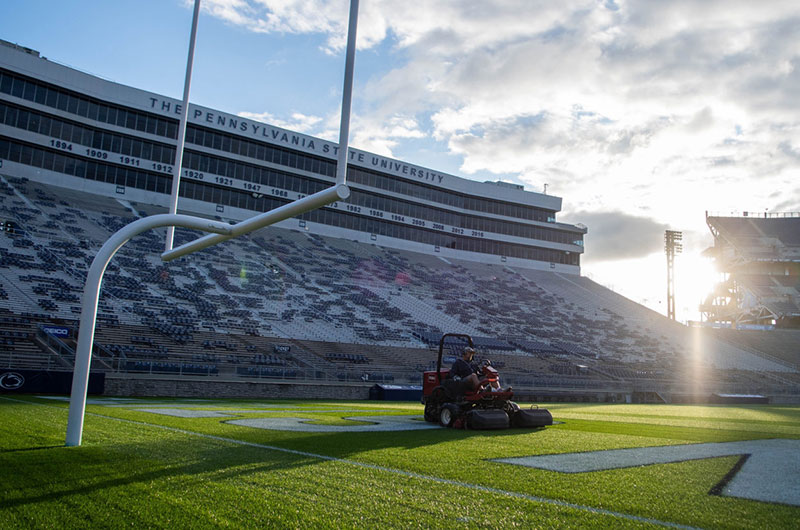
642 116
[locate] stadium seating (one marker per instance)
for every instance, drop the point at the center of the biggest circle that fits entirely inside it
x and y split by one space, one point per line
348 310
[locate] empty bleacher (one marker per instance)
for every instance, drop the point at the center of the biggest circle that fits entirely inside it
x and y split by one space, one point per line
348 311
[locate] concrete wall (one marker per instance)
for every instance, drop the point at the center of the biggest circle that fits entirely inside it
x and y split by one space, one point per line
128 386
209 388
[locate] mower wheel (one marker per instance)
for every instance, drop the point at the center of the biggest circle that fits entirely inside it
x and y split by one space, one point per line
448 414
431 407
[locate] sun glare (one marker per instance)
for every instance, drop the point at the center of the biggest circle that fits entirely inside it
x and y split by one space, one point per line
644 281
695 277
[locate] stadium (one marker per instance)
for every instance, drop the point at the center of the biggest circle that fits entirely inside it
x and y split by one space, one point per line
348 302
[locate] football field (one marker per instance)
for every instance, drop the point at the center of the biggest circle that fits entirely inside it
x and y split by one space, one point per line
184 463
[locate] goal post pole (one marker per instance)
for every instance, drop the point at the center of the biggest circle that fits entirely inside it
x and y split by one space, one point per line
176 178
347 94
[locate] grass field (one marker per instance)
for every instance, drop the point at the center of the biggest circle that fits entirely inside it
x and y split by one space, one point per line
157 468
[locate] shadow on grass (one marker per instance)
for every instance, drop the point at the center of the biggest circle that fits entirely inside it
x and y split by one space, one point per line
125 454
66 472
47 474
22 449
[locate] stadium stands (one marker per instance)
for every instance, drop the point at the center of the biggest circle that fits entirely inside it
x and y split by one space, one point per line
760 255
340 310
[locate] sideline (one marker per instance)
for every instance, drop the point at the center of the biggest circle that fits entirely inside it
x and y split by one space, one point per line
409 474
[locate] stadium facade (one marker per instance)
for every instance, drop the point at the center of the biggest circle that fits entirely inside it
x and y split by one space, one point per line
70 129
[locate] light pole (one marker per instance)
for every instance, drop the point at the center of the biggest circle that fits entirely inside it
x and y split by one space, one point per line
672 246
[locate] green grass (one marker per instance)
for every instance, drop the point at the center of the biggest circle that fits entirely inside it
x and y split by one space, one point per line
142 469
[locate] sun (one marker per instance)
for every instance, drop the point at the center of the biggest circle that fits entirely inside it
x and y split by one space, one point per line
695 278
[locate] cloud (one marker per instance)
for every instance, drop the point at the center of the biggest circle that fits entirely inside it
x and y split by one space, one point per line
618 235
380 137
298 122
618 106
323 17
786 201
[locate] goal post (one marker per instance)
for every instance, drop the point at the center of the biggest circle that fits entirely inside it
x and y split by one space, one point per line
219 232
91 297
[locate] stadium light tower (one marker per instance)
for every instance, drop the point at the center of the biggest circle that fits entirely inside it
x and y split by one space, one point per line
219 232
672 246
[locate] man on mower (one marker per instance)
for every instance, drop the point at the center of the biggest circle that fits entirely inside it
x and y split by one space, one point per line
465 371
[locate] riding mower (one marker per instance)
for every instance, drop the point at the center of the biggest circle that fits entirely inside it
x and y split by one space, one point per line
481 408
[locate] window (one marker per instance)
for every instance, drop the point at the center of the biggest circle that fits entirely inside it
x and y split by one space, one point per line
63 100
51 98
6 81
17 88
72 104
83 107
41 95
93 110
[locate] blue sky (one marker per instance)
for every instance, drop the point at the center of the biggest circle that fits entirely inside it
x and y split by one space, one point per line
640 115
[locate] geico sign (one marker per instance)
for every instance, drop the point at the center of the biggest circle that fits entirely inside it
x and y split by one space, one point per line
58 331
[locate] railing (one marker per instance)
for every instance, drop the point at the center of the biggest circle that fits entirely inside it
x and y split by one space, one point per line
56 345
521 384
65 352
22 361
761 215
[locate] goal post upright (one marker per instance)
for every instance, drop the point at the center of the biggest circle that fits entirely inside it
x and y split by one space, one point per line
347 94
176 178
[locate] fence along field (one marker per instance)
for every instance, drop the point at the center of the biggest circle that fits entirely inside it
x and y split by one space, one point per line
199 463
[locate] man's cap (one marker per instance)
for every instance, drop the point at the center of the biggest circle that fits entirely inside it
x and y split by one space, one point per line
469 349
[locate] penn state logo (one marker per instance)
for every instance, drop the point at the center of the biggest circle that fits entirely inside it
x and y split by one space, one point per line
11 381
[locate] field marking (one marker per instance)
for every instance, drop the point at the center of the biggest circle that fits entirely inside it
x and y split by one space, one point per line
410 474
195 413
374 424
770 474
187 413
381 423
